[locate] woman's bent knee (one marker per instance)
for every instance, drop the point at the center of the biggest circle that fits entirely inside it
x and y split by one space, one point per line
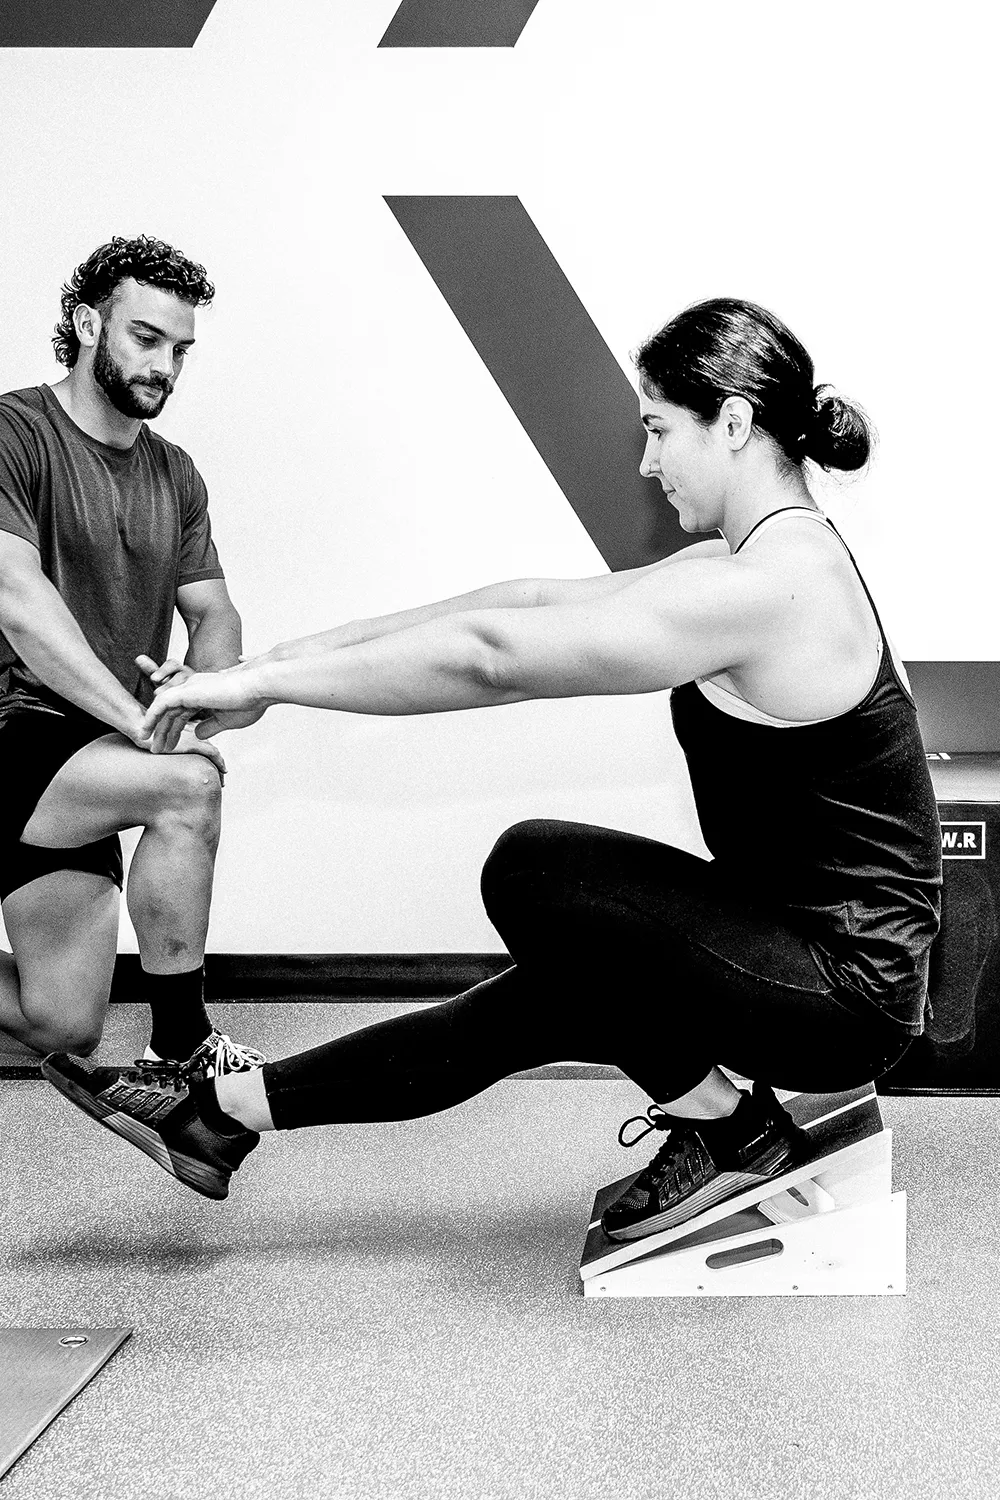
520 847
526 869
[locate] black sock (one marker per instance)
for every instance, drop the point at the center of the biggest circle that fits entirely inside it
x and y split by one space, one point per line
207 1104
180 1020
731 1133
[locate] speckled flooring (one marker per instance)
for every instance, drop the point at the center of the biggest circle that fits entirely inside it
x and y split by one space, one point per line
394 1312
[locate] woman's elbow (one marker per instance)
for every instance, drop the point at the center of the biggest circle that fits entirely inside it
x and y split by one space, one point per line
489 662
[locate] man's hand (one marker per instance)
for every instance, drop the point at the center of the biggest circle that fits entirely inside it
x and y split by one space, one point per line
171 673
188 743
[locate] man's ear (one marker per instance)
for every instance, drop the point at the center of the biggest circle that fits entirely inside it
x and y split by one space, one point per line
87 322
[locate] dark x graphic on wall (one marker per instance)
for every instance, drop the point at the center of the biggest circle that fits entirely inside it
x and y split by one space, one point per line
178 23
520 312
102 23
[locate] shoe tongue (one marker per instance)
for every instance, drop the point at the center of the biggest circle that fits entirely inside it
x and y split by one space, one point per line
159 1074
677 1143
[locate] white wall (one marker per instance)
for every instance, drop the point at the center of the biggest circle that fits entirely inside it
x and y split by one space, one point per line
835 164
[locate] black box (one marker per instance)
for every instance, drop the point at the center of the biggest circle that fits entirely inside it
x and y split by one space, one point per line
960 1051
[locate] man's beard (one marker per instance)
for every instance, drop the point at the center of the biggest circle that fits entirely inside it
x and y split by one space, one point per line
131 397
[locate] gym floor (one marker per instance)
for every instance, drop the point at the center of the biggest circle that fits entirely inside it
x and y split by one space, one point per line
381 1312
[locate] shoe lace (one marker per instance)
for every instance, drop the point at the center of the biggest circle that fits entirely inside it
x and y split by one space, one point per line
220 1054
675 1148
154 1073
655 1118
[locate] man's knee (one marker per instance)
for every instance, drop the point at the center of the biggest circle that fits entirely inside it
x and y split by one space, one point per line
80 1037
65 1012
190 791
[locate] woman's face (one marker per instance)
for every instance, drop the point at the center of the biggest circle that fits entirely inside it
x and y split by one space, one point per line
687 459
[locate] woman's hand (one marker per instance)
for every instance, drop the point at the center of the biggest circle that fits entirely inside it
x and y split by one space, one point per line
224 700
171 673
283 651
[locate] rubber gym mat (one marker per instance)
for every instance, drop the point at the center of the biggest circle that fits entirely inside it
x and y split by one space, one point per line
41 1370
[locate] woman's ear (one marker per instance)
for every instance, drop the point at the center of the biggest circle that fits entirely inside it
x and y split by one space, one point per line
736 421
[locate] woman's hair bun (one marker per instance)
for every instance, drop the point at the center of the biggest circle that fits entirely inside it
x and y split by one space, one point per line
730 347
839 436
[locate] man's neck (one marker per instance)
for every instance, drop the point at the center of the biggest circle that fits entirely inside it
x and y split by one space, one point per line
83 401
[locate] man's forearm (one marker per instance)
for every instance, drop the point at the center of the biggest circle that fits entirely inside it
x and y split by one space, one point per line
517 593
51 644
215 641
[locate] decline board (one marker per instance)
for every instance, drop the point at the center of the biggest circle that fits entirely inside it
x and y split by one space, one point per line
851 1155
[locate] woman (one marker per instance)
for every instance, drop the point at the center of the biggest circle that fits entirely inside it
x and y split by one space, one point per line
796 957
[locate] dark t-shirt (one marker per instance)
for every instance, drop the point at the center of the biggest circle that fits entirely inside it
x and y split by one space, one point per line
118 530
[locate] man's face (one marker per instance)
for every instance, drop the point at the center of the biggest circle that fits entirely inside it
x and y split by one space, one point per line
144 337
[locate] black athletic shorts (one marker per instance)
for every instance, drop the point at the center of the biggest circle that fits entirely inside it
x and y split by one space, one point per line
38 733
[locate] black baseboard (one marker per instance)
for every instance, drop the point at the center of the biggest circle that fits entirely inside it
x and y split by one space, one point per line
939 1091
283 978
353 976
291 978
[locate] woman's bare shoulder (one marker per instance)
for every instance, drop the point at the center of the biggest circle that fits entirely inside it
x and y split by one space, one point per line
715 546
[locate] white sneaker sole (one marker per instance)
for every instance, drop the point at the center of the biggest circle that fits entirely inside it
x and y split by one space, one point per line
726 1185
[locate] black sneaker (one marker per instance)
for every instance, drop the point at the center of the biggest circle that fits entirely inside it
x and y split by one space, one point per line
703 1162
151 1105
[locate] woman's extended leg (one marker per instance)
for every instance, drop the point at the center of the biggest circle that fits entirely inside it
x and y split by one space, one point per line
626 953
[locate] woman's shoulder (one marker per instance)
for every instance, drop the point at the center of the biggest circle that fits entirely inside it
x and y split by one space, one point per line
806 545
711 547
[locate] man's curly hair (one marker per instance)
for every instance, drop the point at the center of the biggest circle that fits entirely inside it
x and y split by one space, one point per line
146 260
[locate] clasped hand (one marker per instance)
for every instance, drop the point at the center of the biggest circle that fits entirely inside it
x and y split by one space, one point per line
190 707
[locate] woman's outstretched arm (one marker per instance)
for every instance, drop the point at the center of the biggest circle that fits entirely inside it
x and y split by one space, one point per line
651 634
514 593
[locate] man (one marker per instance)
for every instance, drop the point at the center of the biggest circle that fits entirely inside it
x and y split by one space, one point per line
104 531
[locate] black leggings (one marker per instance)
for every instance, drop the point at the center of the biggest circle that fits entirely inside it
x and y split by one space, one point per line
626 951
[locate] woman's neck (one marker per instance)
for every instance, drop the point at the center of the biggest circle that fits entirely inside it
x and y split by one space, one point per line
746 510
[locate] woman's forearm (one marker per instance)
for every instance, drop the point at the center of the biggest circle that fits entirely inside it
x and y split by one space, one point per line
481 659
516 593
432 667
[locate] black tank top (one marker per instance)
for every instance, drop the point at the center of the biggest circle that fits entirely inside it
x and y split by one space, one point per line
836 825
